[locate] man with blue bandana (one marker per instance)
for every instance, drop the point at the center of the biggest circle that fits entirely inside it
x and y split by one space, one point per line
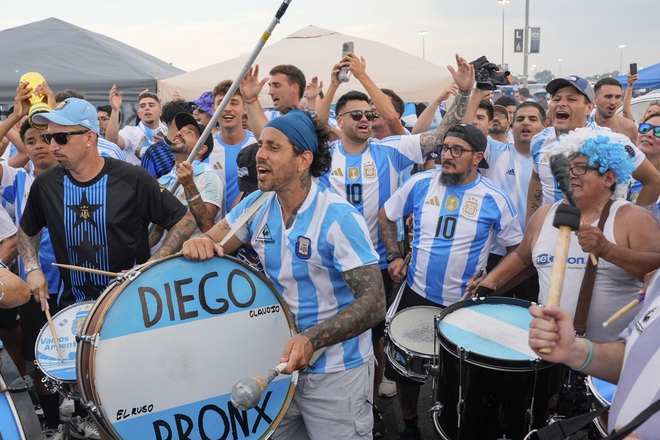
627 248
315 248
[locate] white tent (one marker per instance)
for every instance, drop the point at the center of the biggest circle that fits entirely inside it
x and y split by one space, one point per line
315 51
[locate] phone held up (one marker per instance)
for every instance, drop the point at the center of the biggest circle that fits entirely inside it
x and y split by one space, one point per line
346 48
633 68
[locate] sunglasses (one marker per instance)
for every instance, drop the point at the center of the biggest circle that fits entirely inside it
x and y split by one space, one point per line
645 128
61 138
357 114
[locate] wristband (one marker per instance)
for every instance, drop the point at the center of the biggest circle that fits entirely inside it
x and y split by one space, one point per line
464 93
32 269
589 358
483 291
253 101
2 295
193 198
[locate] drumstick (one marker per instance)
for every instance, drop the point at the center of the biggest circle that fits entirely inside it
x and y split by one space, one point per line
476 277
406 261
624 310
594 260
52 330
247 392
87 269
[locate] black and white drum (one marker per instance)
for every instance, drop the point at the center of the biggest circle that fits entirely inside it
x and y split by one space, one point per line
409 341
18 421
491 385
161 351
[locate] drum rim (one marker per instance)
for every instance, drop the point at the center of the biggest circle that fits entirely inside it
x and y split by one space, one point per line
481 359
46 326
108 298
393 340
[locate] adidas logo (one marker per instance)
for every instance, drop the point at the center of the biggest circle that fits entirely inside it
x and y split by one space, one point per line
337 172
433 201
511 172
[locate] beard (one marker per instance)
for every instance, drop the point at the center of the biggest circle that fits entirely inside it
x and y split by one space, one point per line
453 179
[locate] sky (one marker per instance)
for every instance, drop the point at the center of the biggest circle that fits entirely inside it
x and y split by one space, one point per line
584 34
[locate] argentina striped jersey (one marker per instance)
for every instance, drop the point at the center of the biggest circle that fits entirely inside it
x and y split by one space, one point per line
223 160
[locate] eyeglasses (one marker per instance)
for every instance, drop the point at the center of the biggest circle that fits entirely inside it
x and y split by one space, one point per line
103 119
61 138
580 170
645 128
501 116
455 151
357 114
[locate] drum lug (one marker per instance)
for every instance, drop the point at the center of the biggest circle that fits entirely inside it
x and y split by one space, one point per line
92 339
94 409
433 369
437 408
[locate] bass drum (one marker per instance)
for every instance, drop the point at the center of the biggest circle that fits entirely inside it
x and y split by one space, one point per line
600 395
491 385
161 351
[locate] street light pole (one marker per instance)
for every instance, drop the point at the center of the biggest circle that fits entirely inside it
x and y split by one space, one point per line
503 3
423 33
560 60
621 46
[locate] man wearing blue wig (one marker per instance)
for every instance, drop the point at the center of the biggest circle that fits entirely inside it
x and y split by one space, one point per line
315 248
627 248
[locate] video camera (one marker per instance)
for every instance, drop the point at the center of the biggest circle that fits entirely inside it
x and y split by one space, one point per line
488 75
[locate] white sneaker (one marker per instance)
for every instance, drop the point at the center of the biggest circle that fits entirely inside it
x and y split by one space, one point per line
66 410
387 388
83 428
55 434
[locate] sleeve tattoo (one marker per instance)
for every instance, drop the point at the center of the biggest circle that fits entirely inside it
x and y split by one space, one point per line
430 140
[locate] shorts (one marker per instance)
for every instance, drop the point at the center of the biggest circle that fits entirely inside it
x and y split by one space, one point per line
409 299
9 318
378 331
331 405
32 321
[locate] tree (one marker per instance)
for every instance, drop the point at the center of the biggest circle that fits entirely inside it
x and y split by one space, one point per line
544 76
612 74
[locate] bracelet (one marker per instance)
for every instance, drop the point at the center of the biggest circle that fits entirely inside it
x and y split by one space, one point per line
31 269
2 295
193 198
465 93
589 358
253 101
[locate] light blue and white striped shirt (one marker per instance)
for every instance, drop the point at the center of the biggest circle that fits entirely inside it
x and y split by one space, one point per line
223 160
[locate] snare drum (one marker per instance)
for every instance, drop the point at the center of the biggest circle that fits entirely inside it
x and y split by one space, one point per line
491 384
161 351
60 375
410 341
601 394
18 420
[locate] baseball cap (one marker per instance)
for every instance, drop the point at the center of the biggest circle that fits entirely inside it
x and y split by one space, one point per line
204 102
473 136
71 111
581 84
182 119
247 168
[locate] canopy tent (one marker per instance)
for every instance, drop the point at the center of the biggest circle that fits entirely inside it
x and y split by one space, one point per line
649 78
70 57
315 51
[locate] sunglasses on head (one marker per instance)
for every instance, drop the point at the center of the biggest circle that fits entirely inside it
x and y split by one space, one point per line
645 128
357 114
61 138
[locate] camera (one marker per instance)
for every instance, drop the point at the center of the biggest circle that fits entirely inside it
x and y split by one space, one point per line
488 75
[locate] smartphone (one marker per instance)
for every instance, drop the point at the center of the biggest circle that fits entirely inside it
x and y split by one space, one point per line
633 68
345 49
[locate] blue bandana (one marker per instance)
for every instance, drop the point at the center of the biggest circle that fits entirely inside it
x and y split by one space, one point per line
299 128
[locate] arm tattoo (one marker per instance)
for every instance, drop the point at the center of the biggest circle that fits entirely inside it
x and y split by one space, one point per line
203 215
388 234
432 139
155 236
536 201
28 247
368 309
179 233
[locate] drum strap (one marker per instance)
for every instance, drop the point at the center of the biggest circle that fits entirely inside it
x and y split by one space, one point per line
587 287
565 428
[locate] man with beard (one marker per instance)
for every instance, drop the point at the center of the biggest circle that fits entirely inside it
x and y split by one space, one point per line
457 213
500 124
608 99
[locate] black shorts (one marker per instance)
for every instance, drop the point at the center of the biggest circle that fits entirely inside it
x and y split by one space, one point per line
409 299
32 321
378 331
9 317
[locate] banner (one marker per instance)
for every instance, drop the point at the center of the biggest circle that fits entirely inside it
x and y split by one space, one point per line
518 40
536 40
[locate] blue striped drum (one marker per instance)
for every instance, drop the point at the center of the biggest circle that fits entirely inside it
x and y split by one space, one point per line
18 421
491 384
600 394
162 350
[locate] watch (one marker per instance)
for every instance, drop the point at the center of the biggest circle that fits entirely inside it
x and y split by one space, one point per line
391 256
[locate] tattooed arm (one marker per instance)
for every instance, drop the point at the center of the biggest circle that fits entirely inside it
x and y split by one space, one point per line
534 195
177 234
28 249
201 248
464 79
388 233
368 309
203 212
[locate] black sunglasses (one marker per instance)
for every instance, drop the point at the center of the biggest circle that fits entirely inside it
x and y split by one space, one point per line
645 128
61 138
357 114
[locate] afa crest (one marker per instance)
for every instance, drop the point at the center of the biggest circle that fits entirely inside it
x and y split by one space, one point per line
470 207
369 170
303 248
451 203
353 173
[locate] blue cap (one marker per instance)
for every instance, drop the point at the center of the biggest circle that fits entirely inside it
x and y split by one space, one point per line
71 111
581 84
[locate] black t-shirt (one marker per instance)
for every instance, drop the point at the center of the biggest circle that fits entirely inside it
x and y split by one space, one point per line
101 224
